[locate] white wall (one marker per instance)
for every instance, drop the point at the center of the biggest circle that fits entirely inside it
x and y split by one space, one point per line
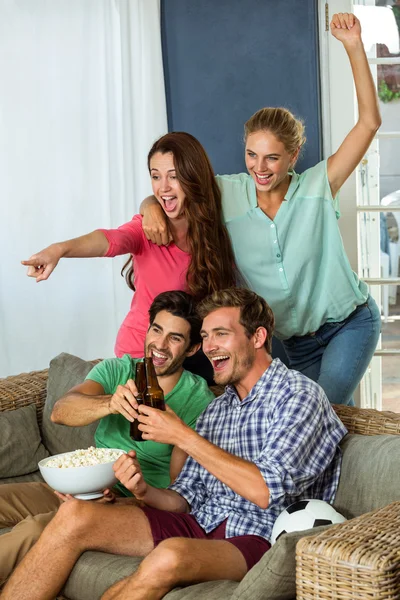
82 100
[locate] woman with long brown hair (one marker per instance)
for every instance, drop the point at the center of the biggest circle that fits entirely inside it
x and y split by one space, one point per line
199 258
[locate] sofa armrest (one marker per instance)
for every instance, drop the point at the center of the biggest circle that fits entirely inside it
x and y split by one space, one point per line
357 559
20 390
367 421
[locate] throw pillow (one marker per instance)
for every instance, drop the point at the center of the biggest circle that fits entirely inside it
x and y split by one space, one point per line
370 475
274 576
65 372
20 445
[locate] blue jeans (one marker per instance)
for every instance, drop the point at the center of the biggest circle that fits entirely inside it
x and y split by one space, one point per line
338 354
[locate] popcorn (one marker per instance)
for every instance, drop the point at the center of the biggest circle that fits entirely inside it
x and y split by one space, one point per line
84 458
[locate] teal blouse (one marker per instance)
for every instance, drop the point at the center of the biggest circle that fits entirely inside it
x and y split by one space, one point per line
297 262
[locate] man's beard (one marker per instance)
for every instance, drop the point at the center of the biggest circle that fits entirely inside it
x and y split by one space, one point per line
170 367
240 369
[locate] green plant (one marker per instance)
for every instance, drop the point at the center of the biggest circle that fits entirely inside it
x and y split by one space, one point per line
386 94
396 12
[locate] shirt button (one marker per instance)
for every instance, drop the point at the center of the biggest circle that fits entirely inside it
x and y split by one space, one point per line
278 255
275 241
281 269
272 226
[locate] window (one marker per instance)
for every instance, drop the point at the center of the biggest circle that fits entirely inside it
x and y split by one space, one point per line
370 199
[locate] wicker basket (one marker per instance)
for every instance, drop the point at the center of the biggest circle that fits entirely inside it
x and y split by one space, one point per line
356 560
368 421
24 389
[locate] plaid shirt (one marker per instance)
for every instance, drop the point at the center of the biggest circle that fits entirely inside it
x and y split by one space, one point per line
288 429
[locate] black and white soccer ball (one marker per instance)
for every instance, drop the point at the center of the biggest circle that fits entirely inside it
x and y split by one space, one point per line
305 514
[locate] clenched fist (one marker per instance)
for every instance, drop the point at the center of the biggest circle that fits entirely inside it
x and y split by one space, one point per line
127 470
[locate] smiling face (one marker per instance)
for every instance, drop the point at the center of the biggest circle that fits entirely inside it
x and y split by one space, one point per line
167 342
165 184
267 161
225 342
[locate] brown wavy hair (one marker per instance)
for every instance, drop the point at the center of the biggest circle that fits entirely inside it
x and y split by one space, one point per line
212 265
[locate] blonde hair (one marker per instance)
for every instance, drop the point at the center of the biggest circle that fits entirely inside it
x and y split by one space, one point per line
281 123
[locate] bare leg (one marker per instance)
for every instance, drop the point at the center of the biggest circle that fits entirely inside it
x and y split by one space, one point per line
180 561
78 526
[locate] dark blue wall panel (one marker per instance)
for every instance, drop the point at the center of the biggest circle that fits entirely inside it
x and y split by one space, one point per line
225 59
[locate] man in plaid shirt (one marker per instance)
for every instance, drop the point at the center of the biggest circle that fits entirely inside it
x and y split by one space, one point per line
270 439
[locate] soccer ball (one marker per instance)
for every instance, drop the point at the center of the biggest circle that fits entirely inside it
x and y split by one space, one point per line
305 514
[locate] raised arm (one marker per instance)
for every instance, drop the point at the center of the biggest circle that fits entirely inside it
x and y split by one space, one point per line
87 402
42 264
346 28
155 223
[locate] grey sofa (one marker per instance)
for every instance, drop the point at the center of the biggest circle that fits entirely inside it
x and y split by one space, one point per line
370 480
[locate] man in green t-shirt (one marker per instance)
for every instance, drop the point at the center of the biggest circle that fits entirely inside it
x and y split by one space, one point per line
108 394
108 391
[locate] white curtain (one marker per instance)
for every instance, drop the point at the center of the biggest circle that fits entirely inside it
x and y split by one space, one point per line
82 100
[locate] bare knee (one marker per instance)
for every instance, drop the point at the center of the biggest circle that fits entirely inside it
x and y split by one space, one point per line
72 518
168 559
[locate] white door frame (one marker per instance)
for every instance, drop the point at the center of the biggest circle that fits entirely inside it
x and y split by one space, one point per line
339 114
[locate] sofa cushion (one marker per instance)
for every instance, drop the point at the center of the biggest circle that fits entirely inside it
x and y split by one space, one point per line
65 372
209 590
95 572
20 445
370 474
35 476
272 578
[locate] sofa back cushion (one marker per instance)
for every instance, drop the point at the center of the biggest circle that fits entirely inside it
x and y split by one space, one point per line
20 445
370 475
65 372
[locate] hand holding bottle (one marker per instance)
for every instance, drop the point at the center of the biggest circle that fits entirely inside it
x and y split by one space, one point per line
164 427
124 402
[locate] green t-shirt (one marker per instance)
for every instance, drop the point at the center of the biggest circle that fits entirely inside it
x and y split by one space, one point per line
188 399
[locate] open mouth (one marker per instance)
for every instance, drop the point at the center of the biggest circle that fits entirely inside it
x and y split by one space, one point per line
159 359
263 179
219 362
170 203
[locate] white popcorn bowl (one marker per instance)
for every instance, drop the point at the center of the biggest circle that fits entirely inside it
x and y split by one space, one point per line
85 483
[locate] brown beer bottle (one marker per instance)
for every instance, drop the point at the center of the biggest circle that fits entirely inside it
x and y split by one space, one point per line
154 396
140 381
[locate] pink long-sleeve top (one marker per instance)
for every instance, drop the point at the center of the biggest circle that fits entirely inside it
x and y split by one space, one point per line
156 269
